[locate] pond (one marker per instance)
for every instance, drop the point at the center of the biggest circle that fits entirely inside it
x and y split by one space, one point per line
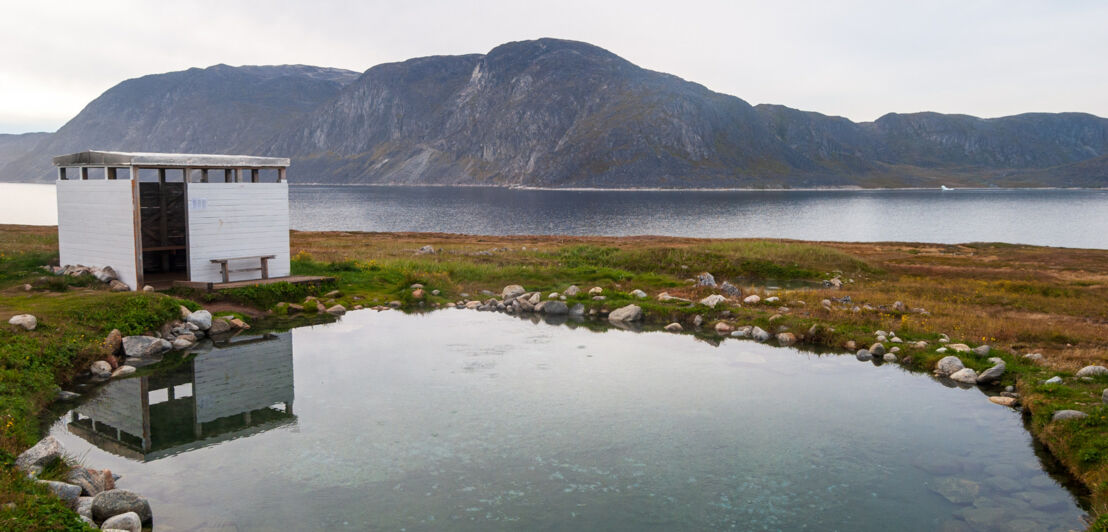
466 420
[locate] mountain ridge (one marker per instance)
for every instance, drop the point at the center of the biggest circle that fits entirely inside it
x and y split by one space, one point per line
559 114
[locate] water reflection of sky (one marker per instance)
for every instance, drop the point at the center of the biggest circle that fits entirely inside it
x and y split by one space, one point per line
478 421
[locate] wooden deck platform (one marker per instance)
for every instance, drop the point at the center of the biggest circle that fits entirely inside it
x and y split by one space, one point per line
293 279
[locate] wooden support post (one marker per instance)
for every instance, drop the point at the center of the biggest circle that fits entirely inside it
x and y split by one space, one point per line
61 173
84 172
281 175
203 175
253 175
109 173
185 174
163 217
134 173
265 267
238 175
227 175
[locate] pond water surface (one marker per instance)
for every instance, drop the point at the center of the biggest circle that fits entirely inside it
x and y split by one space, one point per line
464 420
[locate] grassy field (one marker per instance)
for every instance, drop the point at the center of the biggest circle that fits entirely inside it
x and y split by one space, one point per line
1018 299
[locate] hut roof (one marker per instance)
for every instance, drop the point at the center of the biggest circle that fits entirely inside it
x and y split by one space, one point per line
168 160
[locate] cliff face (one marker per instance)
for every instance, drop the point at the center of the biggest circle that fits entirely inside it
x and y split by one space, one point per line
557 113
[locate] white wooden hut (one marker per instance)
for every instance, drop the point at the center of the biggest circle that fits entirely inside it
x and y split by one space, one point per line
170 217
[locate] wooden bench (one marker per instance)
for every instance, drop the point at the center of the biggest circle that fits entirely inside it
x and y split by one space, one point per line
264 268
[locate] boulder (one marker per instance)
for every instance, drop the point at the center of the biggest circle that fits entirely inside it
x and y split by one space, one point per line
878 349
1063 415
1104 396
772 299
760 335
553 295
145 346
959 348
222 326
426 250
555 308
676 327
111 503
418 293
705 279
337 310
100 369
890 357
42 453
91 481
512 291
992 374
964 376
948 366
956 490
577 310
113 343
863 355
68 493
148 288
638 293
595 291
786 339
697 320
84 507
181 343
128 522
1092 371
63 395
1053 380
26 321
627 313
752 299
981 350
105 274
850 345
730 289
713 300
572 291
202 319
123 371
664 296
118 286
742 332
724 328
1002 401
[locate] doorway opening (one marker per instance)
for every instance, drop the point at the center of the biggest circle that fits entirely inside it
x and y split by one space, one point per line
164 230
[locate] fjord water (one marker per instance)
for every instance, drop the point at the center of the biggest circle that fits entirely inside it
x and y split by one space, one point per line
1063 218
463 420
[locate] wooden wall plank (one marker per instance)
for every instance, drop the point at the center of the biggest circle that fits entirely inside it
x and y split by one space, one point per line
96 225
237 220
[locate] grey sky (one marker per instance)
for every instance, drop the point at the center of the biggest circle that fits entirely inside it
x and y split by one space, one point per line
855 59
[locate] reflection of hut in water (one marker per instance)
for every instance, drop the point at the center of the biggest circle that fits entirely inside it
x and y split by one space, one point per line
236 390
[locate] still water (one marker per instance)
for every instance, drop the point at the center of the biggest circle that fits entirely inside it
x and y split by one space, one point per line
1064 218
463 420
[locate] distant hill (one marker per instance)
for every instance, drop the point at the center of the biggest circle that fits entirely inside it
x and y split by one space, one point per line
220 109
555 113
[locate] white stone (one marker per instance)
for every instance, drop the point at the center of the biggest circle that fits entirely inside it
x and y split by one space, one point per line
26 321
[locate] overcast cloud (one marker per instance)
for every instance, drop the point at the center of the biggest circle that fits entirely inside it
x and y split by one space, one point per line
855 59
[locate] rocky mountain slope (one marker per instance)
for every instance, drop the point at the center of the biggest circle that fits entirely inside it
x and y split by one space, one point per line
554 113
220 109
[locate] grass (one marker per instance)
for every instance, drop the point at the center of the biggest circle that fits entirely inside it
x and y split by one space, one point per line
1018 299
